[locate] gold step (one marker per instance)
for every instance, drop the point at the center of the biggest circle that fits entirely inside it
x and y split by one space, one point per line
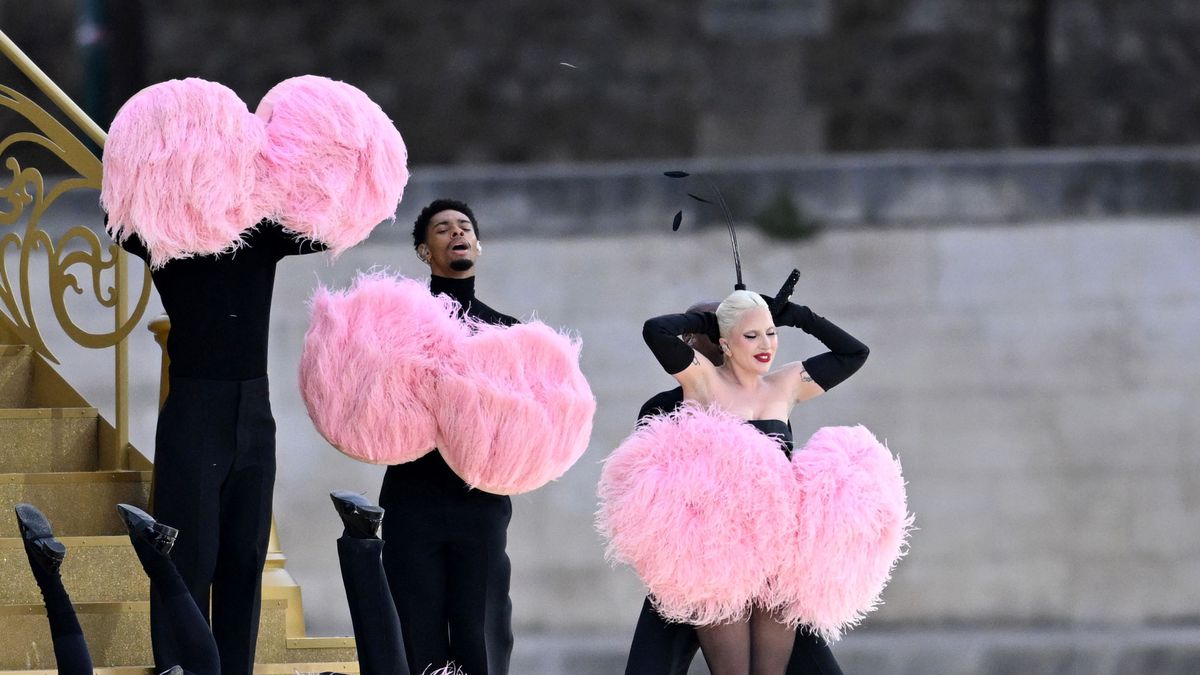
81 503
16 375
29 381
48 439
97 569
118 634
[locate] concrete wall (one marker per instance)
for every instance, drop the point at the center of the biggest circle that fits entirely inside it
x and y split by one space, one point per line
1037 382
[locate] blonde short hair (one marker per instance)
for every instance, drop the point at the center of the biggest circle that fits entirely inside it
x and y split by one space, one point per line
732 307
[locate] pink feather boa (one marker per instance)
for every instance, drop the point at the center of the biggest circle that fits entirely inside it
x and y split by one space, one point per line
334 165
696 501
180 170
371 357
514 410
851 526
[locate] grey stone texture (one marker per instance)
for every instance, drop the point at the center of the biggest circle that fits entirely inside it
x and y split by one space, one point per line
485 81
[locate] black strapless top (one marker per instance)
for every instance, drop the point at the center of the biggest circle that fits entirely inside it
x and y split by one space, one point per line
778 429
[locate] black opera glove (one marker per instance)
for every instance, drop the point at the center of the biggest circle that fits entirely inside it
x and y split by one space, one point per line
846 353
662 337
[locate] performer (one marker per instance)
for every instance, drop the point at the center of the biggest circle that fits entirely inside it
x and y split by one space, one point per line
743 385
212 197
152 543
667 648
446 562
215 443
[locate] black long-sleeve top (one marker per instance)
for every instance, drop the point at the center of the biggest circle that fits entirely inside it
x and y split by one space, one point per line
220 305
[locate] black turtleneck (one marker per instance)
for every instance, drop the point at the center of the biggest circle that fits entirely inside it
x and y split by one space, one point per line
220 305
463 291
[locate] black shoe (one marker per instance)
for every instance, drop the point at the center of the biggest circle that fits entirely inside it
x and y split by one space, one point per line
361 518
44 550
142 526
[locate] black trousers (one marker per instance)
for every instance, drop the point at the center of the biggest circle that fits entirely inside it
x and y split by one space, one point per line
662 648
214 466
372 611
447 568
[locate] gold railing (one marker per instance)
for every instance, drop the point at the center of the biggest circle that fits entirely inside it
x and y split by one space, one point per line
27 197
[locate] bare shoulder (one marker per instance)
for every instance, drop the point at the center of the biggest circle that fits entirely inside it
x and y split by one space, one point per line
793 377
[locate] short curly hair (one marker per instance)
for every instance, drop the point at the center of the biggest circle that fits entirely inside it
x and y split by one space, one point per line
421 224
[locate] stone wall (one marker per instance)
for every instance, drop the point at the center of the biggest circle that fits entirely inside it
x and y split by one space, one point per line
480 81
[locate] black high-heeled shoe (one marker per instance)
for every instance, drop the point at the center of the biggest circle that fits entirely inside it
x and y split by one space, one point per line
44 550
361 518
142 525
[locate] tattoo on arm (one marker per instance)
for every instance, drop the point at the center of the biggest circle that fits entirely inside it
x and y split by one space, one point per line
695 360
805 377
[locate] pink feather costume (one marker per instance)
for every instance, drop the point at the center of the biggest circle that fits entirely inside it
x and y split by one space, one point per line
514 410
333 165
371 357
695 501
850 531
180 170
189 170
710 514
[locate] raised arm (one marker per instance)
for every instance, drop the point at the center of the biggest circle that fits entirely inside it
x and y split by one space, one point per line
824 371
685 364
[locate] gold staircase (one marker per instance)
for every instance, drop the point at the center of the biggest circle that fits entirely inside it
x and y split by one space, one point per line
56 450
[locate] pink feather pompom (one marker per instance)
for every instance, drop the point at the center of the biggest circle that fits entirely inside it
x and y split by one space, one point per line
514 410
852 521
334 166
697 501
180 169
371 357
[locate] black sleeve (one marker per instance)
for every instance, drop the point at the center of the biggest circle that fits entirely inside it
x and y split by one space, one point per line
133 245
846 353
286 243
662 336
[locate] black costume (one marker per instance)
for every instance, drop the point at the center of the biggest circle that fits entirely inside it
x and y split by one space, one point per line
445 558
214 462
662 648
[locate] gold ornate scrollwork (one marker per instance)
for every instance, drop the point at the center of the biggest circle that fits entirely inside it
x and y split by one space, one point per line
25 196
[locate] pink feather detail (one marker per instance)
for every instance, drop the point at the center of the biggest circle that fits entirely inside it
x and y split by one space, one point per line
696 501
334 166
180 170
370 359
851 527
514 410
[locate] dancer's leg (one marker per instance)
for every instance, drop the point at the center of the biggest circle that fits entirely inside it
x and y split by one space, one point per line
245 531
45 555
478 608
193 453
660 648
152 542
811 656
377 632
771 643
726 647
414 561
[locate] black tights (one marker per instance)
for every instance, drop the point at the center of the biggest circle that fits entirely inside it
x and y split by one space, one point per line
759 645
197 649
